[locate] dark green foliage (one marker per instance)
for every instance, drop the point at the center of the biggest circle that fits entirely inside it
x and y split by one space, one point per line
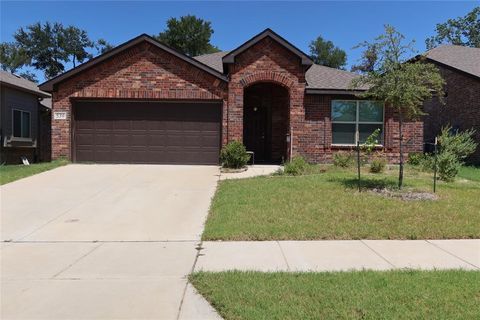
189 35
377 165
75 43
297 166
12 57
343 159
103 46
462 31
325 53
234 155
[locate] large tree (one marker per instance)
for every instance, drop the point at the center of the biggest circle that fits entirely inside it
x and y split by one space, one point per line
44 46
463 31
402 83
189 34
12 57
75 43
325 53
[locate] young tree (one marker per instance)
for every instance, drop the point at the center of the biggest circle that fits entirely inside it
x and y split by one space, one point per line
190 35
403 84
325 53
463 31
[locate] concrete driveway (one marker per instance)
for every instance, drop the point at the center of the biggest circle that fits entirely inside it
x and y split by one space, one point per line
104 242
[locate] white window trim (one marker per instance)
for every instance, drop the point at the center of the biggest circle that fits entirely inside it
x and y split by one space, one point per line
21 123
356 122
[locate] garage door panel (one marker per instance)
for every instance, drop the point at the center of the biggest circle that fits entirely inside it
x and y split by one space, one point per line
140 132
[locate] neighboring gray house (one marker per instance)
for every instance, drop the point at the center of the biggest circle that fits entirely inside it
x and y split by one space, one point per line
25 129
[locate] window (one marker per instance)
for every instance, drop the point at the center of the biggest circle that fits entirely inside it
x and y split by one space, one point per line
21 124
350 116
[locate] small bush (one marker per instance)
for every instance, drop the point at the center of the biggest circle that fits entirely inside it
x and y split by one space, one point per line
297 166
234 155
378 165
448 166
415 158
454 148
343 159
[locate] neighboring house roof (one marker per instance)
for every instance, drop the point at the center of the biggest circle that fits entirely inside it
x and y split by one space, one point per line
47 103
49 85
319 78
17 82
230 57
465 59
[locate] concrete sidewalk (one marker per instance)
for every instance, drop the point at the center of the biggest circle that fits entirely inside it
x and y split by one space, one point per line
339 255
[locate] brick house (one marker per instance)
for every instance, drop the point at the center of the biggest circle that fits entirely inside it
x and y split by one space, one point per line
460 67
144 102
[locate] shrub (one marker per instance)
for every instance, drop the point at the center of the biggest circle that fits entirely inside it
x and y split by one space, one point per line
296 166
343 159
454 148
378 165
448 166
415 158
234 155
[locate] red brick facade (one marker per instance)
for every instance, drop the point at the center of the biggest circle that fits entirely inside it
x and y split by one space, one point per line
148 73
461 109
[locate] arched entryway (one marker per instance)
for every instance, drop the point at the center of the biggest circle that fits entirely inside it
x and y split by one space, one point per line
265 121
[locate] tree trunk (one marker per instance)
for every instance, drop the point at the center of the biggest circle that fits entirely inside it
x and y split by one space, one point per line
400 172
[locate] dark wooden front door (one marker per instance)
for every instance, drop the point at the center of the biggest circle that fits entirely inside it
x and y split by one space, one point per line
147 132
257 130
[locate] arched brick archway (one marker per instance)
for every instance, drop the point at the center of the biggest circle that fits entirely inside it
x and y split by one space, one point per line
272 77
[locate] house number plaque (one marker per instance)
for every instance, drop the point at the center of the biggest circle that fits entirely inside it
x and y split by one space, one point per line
60 115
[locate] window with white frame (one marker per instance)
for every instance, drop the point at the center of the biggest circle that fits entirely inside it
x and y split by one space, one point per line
350 116
21 124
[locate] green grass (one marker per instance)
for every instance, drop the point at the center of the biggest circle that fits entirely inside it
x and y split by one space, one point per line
347 295
9 173
327 206
470 173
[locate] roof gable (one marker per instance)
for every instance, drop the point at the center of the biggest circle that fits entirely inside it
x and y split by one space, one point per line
230 57
462 58
49 85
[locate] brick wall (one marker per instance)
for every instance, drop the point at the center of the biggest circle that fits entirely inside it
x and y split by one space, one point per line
461 109
141 72
316 138
266 61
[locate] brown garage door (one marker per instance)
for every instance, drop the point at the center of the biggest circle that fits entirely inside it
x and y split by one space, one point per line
147 132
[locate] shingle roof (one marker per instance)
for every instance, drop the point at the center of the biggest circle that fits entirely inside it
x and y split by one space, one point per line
317 76
18 82
213 60
462 58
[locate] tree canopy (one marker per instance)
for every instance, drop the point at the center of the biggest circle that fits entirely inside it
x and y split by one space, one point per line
48 47
189 35
462 31
398 81
325 53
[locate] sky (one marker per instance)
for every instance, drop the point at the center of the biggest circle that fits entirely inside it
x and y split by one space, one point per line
344 23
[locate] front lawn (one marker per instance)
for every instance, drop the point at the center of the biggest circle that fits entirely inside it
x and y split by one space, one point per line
9 173
327 206
342 295
470 173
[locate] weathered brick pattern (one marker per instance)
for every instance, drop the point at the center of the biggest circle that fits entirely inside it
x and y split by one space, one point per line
141 72
461 109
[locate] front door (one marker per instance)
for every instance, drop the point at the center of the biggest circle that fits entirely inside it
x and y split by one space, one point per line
257 130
